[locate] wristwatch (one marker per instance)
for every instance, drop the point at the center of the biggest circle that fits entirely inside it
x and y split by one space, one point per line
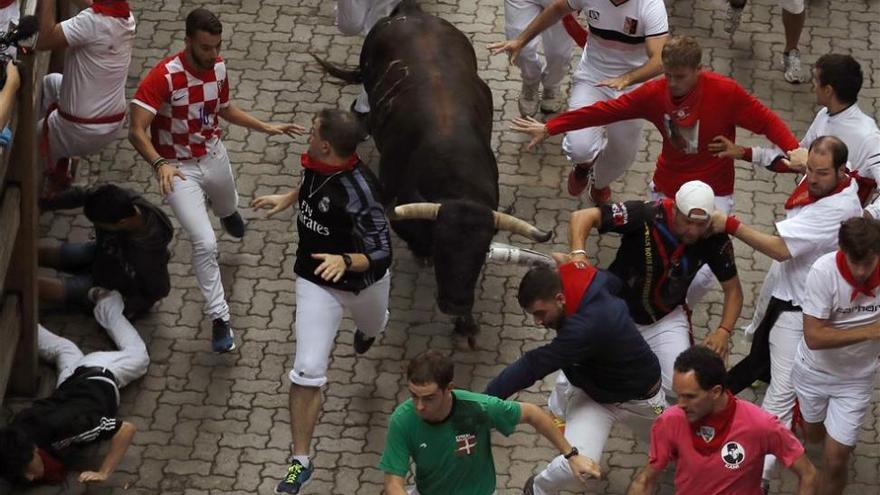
574 452
347 260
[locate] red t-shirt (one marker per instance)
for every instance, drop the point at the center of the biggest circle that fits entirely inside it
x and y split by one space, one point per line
185 101
737 467
724 105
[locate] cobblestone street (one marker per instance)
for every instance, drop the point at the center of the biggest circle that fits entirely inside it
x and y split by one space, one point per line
218 424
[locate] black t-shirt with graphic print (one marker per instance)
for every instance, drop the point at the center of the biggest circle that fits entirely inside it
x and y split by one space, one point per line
656 272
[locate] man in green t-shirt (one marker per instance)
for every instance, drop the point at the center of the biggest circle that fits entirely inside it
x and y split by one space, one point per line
446 434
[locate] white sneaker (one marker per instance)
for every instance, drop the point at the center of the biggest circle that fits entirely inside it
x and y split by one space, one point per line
528 100
551 100
733 18
791 63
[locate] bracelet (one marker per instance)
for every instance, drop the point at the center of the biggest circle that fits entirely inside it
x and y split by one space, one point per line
725 329
578 251
731 225
158 162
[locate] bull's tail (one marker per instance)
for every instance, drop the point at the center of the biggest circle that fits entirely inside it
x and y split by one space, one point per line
351 76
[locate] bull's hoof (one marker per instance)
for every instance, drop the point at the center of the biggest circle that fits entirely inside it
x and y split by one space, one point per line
467 328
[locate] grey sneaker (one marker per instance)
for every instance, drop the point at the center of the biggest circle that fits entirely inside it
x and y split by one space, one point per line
529 487
528 100
791 63
551 100
732 19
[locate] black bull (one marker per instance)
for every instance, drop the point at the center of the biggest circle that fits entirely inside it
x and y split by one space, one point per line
431 119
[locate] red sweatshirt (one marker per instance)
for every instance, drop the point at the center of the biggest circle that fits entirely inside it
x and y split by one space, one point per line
719 106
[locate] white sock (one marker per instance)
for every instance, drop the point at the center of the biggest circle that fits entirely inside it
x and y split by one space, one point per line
303 459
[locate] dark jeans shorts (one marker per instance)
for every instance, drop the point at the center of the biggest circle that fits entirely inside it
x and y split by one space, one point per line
75 259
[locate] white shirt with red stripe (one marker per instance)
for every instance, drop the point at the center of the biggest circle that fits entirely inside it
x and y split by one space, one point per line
618 31
185 102
96 65
828 296
809 232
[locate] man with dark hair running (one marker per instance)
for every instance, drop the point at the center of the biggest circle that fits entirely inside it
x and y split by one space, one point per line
342 262
446 432
129 254
836 361
609 372
716 441
175 128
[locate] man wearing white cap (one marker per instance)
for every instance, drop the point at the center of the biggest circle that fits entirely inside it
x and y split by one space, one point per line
824 198
664 245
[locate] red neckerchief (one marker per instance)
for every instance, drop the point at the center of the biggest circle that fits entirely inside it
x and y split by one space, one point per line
866 187
53 471
112 8
6 3
801 195
322 168
684 111
709 433
668 207
576 277
866 288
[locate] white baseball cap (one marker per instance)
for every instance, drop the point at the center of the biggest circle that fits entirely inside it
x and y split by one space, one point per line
695 195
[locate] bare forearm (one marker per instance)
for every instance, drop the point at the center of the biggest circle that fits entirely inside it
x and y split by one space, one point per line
548 17
641 485
237 116
543 424
807 484
733 302
118 445
651 69
770 245
582 222
824 336
394 485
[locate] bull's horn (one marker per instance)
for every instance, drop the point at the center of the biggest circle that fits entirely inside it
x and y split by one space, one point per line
503 221
416 211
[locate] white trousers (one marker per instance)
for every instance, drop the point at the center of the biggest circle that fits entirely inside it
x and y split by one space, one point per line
785 336
127 364
705 279
587 425
68 139
557 44
668 337
612 147
839 402
209 176
319 312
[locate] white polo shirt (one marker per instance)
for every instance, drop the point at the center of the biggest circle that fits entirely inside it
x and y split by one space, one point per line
858 132
809 232
828 296
96 64
618 30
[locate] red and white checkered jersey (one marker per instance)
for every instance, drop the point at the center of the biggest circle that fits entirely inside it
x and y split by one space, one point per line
185 101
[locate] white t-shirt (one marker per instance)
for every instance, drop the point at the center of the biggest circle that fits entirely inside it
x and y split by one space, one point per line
96 64
617 34
858 132
809 232
828 296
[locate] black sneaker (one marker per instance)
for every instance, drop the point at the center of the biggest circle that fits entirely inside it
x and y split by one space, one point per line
222 339
297 477
361 343
233 225
529 487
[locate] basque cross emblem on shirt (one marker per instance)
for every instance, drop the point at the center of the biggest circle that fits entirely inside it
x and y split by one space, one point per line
465 444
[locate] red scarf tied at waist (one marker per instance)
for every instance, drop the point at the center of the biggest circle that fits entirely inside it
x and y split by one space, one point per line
867 287
322 168
710 432
801 195
53 471
112 8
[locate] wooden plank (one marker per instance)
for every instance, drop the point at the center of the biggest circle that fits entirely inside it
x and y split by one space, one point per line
10 218
25 169
10 331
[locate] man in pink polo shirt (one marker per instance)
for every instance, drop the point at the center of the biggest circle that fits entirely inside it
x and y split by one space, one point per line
717 441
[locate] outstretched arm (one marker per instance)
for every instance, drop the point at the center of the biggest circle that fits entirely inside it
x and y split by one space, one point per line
583 467
644 482
548 17
118 445
237 116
